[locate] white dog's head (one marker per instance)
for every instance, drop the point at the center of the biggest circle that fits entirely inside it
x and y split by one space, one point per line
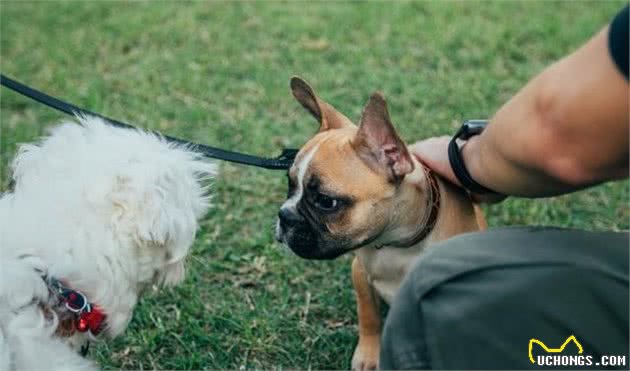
110 211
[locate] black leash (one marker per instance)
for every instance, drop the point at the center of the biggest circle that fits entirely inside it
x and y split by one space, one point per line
281 162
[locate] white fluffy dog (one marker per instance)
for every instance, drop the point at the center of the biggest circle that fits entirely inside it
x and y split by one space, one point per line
97 215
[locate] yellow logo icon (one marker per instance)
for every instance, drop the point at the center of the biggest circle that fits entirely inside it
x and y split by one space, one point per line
553 350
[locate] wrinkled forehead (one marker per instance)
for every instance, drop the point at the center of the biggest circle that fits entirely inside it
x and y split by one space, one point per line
330 157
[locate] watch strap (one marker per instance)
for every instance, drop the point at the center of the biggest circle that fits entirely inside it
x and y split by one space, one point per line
457 162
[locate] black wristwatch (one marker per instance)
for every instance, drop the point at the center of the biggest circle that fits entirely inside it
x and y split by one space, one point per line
469 128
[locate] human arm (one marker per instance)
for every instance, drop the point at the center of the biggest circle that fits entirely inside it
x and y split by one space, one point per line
567 129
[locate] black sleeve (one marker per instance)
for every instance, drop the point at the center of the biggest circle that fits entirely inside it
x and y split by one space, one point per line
618 40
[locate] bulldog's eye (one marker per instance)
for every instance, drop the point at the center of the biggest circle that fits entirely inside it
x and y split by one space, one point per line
326 203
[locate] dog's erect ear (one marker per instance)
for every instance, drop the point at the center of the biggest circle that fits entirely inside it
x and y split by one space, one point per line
377 142
327 115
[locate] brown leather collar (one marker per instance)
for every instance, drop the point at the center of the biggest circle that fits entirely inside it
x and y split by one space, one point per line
433 207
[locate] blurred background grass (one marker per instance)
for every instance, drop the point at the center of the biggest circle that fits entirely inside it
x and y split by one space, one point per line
217 73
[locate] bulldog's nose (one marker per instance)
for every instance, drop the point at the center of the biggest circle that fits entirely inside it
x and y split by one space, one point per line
289 216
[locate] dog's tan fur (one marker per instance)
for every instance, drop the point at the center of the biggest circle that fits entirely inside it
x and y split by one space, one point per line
377 273
390 201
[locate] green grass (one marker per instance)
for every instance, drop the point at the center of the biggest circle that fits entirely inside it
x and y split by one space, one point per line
217 73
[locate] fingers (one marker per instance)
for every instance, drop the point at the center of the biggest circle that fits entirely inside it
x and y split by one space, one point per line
433 152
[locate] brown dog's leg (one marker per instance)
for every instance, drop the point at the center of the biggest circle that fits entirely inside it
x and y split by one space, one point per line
367 351
481 219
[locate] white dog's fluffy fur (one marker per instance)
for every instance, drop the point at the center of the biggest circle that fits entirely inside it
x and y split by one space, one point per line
111 212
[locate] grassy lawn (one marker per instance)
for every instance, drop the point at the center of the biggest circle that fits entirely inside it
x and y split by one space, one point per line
217 73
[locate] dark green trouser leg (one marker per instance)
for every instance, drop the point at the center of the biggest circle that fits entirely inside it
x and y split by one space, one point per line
476 301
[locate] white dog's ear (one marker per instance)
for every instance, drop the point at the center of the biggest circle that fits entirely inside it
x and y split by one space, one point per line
378 144
327 116
158 200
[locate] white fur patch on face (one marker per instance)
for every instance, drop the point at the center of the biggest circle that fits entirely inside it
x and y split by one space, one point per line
301 172
302 166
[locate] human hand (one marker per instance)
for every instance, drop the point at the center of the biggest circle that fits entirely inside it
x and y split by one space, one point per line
434 153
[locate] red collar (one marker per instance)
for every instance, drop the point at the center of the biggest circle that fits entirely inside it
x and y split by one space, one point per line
85 316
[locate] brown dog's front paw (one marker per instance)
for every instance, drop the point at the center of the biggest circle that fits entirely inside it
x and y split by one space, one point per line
366 354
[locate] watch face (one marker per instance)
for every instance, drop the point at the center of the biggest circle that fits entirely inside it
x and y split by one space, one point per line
471 128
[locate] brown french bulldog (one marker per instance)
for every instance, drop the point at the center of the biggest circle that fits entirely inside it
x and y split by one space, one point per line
358 189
